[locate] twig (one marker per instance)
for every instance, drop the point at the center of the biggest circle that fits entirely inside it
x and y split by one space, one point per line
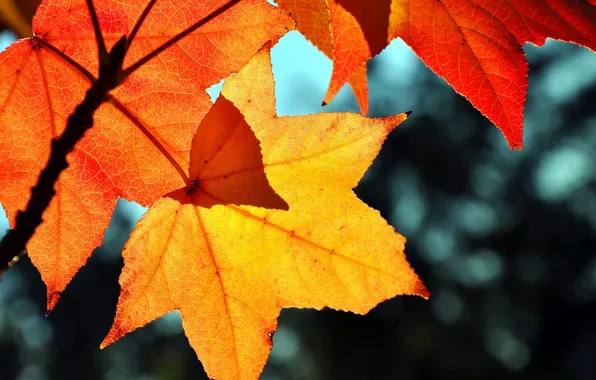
111 75
14 242
139 23
134 67
101 44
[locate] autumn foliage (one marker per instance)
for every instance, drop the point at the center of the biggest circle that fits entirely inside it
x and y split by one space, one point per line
250 212
139 146
252 253
475 45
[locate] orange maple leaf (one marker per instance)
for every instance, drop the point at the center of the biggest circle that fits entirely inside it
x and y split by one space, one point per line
142 135
475 45
220 254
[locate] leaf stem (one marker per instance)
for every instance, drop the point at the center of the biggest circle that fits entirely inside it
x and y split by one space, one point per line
14 242
118 104
101 44
134 67
111 75
139 23
77 66
139 124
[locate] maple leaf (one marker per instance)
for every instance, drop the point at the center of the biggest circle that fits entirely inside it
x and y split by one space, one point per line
220 255
475 45
141 138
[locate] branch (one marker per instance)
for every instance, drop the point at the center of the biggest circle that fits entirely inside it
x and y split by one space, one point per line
134 67
14 242
137 25
101 45
111 75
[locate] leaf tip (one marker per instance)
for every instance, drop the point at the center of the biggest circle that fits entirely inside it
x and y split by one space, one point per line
514 140
53 298
109 339
423 292
514 145
420 289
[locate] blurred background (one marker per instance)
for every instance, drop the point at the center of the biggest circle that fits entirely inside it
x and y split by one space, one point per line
504 240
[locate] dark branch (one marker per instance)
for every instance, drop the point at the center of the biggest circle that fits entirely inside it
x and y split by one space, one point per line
14 242
134 67
101 45
111 75
139 22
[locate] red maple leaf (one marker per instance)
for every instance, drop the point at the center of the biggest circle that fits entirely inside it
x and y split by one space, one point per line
139 146
475 45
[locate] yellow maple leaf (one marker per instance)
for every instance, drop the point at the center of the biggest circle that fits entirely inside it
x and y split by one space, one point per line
229 252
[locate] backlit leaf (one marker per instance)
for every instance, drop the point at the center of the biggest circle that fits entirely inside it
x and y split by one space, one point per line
229 253
139 146
475 45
